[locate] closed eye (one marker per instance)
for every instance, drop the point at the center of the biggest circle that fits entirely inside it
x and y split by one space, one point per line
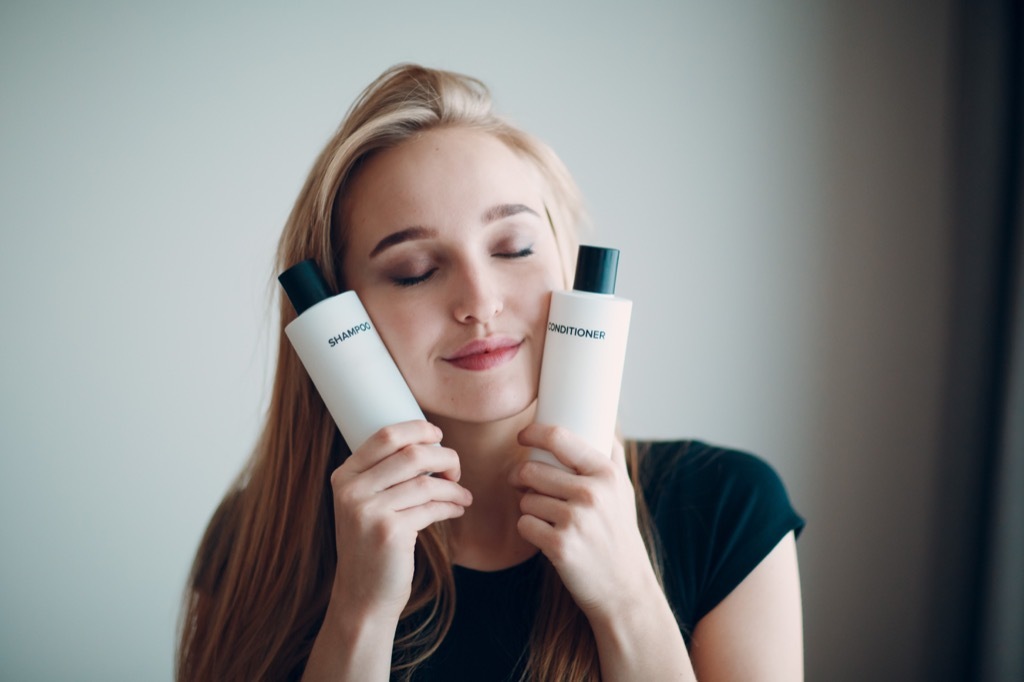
523 253
413 281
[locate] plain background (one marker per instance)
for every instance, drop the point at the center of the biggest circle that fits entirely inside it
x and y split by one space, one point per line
775 174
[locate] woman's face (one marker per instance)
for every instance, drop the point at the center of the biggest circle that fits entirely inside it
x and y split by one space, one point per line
453 257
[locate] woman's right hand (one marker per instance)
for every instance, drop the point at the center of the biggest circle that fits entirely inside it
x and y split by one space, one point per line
383 497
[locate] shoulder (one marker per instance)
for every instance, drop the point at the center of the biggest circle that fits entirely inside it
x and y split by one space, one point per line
717 512
697 472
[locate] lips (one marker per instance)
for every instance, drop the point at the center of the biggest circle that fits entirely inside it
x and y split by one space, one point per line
481 354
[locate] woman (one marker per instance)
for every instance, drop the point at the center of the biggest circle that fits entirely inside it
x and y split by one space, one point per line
326 564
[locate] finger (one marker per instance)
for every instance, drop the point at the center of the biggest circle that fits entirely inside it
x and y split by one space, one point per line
549 509
544 478
422 490
415 460
390 439
426 514
619 455
568 448
540 534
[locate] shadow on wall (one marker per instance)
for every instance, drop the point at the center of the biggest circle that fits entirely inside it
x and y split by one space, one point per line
879 367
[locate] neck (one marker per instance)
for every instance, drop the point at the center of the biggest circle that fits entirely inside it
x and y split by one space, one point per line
486 537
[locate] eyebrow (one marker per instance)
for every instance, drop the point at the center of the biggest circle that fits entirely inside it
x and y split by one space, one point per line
416 232
405 235
505 211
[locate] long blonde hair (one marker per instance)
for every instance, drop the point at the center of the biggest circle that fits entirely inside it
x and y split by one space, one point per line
261 579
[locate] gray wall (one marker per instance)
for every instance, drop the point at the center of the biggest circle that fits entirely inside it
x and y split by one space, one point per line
774 173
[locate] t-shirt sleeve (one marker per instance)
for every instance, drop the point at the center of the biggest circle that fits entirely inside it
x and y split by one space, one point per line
717 513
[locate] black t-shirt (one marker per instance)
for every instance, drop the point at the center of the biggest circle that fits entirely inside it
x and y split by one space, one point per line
716 512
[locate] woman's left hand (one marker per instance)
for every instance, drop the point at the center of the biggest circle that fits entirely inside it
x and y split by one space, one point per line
584 521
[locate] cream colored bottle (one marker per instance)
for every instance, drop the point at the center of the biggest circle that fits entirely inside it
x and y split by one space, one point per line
584 354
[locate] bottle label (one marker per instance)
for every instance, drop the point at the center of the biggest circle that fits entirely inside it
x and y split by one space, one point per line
348 333
576 331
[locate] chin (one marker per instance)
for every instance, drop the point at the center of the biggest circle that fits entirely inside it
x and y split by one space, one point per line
476 409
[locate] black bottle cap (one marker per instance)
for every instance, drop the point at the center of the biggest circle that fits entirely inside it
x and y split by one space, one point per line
305 285
596 268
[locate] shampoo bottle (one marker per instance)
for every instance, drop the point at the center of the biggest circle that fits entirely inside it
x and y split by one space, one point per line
584 353
346 359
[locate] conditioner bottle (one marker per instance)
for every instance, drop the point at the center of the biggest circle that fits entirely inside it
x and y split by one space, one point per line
584 353
345 357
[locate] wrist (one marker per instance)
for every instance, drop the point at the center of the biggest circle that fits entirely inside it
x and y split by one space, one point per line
356 620
641 640
352 644
641 591
622 614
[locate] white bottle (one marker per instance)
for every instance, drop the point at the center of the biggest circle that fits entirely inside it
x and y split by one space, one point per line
584 353
346 359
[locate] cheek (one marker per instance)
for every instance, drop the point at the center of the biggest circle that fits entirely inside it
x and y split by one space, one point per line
533 301
400 326
551 279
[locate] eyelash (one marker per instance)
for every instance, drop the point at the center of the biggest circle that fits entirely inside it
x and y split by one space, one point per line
405 282
523 253
413 281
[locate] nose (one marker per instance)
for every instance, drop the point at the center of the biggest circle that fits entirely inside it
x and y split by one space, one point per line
478 298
